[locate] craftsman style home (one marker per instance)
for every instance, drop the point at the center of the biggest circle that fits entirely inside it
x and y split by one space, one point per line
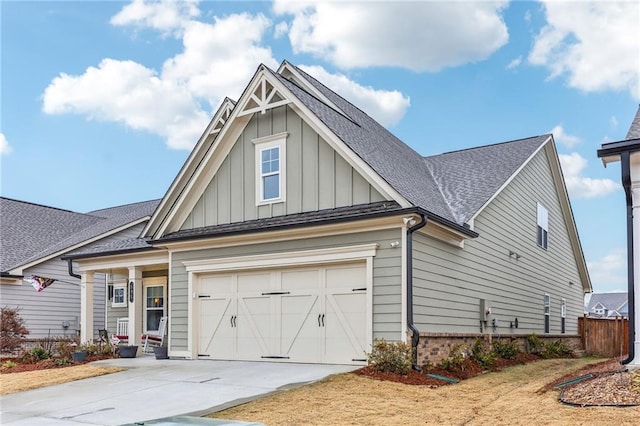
299 229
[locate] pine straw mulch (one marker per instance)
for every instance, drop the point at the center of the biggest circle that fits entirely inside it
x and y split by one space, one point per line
46 364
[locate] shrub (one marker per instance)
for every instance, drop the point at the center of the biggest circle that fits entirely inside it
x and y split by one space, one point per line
390 357
482 354
65 347
36 354
12 330
62 361
506 350
535 345
556 349
9 364
457 354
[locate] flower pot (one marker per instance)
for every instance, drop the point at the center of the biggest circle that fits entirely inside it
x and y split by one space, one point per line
128 351
161 352
79 356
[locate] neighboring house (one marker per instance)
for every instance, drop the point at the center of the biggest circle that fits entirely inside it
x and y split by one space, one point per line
299 229
33 238
608 305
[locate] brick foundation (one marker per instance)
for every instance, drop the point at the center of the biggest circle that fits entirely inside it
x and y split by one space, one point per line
434 347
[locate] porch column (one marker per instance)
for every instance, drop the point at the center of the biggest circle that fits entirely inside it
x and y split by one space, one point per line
86 306
635 191
134 288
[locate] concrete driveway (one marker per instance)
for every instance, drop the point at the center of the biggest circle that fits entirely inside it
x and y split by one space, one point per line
153 389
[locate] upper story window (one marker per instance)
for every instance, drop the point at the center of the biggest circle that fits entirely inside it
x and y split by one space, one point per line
270 168
543 226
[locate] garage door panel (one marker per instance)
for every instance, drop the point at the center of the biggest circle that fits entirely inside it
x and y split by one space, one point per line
254 327
216 334
345 327
296 281
300 329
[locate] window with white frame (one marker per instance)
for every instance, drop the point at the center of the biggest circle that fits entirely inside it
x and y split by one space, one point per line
563 315
543 226
119 299
547 313
270 168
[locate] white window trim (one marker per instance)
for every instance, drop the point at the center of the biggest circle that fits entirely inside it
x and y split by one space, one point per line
278 140
123 287
153 282
542 222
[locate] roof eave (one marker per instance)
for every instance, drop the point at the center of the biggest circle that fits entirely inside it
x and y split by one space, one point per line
610 152
109 253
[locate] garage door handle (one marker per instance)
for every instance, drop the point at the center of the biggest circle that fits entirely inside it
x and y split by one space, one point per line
233 320
323 320
319 315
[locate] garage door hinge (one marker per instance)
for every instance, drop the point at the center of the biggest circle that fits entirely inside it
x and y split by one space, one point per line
275 357
204 355
359 289
358 360
200 296
272 293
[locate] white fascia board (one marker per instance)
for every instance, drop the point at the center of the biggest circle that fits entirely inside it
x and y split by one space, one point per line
291 258
187 169
228 136
123 261
508 181
18 270
443 233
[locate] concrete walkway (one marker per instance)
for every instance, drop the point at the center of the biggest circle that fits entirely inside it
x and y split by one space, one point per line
153 389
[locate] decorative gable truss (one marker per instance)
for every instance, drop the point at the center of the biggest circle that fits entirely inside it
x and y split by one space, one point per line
263 97
224 114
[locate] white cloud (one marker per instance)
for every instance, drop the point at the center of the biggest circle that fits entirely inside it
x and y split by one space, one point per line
421 36
514 63
165 15
564 138
385 106
614 122
5 148
175 103
609 273
282 28
595 44
579 186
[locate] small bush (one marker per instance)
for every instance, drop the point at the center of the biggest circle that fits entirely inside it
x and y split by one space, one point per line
535 345
9 364
556 349
62 361
12 330
390 357
65 348
457 355
506 350
36 354
482 354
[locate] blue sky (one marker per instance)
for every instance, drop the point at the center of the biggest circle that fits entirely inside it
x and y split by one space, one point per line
101 101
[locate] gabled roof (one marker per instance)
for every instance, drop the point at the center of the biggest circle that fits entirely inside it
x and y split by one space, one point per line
611 301
471 177
32 233
634 129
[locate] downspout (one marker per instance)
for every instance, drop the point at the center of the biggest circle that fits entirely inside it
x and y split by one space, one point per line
70 268
626 183
415 334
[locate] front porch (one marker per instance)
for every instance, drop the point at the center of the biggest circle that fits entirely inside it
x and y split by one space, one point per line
137 289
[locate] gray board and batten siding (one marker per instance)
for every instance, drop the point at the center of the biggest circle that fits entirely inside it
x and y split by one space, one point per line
387 273
317 177
449 281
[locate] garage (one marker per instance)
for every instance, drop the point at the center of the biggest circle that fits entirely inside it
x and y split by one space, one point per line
314 314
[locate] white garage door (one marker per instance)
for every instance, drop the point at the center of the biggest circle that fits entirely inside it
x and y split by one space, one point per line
314 314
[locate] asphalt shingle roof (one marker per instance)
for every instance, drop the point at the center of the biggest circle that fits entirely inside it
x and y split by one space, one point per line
29 232
469 178
610 301
118 246
634 129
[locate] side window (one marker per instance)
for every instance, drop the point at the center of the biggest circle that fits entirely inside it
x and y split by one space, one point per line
119 296
547 313
270 169
543 227
563 315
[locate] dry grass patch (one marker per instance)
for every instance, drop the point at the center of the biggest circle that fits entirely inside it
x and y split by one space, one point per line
507 397
18 382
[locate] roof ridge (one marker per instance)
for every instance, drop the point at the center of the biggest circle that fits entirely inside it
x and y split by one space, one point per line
487 146
43 205
121 205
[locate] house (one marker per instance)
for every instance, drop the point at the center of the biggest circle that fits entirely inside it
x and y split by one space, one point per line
627 152
608 305
299 229
33 240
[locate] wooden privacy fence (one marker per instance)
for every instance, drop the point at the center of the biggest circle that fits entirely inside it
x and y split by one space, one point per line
608 337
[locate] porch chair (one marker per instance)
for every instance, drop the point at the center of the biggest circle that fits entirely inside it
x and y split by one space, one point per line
122 331
155 338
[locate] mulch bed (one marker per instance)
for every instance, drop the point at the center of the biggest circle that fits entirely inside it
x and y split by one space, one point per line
470 368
